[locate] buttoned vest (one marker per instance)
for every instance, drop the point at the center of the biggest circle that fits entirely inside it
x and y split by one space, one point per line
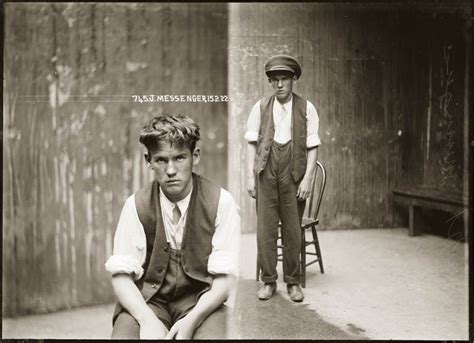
298 136
196 245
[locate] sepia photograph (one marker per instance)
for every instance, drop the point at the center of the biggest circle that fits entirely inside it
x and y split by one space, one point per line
220 170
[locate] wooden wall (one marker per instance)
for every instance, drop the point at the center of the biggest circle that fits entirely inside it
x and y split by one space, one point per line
71 154
388 81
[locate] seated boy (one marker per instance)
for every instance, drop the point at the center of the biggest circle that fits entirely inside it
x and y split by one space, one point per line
175 256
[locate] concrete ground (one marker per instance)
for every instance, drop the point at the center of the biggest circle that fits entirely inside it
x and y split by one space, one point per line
378 284
91 322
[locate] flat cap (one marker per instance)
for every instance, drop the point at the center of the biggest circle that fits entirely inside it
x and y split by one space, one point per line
283 63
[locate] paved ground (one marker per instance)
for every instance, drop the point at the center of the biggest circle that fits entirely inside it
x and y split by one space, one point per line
279 318
378 284
91 322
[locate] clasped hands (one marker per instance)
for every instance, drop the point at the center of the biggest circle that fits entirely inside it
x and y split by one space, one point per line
153 328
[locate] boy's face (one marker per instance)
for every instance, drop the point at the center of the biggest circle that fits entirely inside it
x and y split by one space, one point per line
173 166
282 84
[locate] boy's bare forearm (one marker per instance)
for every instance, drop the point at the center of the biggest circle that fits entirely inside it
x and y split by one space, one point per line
311 162
212 299
251 152
130 298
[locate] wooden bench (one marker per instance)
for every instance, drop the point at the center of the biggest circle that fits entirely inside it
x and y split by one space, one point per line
427 197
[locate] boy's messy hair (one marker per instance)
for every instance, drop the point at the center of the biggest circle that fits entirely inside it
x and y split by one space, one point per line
176 129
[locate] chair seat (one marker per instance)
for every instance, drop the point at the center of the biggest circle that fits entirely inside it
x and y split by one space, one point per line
306 222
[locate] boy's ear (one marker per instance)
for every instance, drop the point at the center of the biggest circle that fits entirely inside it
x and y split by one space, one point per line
147 157
196 155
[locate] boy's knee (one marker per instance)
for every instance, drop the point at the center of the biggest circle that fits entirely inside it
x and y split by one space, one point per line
215 326
125 327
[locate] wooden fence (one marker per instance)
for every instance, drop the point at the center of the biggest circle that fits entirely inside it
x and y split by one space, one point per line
388 82
71 151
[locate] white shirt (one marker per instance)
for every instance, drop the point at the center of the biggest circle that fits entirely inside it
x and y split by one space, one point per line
174 232
282 122
130 241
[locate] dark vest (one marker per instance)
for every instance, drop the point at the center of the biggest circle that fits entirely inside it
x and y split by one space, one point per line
298 136
196 245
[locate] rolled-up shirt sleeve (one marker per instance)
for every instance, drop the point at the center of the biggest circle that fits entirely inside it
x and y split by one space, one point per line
253 124
129 243
312 136
224 257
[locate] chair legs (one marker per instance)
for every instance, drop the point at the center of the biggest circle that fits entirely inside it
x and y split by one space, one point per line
257 276
318 249
303 258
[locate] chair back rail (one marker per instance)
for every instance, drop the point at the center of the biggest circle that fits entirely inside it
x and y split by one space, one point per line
319 184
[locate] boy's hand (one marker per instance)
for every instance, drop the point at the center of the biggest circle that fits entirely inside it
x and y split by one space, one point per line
182 329
304 189
251 187
152 328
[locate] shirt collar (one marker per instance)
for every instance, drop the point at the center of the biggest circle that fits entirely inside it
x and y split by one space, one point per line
183 204
284 107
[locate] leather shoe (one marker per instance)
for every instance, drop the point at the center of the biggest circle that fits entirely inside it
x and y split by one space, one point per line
295 292
267 290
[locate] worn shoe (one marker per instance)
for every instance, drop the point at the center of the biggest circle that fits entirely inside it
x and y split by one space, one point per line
267 290
295 292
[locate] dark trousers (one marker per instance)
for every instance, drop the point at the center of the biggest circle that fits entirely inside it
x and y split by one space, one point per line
177 295
276 201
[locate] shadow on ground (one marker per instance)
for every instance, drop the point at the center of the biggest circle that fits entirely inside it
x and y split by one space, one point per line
279 317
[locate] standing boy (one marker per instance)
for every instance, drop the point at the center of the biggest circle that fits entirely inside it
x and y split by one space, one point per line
282 132
176 246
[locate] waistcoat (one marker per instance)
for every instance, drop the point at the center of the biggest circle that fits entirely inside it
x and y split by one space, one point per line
196 245
298 136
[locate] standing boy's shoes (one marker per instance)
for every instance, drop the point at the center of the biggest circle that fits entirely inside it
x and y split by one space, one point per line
267 290
295 292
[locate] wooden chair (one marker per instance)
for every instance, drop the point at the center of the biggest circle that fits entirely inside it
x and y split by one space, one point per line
310 221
